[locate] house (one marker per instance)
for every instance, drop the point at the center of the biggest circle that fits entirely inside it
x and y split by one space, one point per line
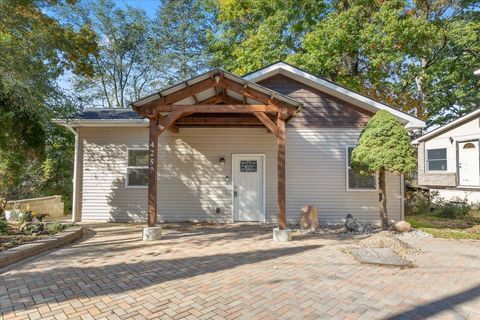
448 159
224 148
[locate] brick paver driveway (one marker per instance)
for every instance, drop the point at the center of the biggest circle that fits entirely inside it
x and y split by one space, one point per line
237 272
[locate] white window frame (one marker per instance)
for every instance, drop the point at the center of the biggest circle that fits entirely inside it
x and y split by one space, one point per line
427 169
347 167
127 185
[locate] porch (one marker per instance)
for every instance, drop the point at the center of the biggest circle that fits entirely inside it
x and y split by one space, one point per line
220 99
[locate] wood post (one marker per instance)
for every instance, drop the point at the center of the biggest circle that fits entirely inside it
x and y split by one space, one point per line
282 223
152 172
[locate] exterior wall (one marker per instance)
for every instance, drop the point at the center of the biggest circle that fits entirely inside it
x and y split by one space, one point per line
192 183
443 178
319 109
53 205
447 179
472 196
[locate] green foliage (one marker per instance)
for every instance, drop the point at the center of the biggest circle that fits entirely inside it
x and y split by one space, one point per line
55 227
180 31
384 144
36 49
28 228
123 67
415 55
252 33
417 203
3 227
452 210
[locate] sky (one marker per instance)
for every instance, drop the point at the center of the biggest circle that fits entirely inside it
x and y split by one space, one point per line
150 6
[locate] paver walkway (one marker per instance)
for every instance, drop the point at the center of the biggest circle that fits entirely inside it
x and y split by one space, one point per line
237 273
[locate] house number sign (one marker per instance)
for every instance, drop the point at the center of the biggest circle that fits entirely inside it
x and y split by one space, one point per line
151 157
248 166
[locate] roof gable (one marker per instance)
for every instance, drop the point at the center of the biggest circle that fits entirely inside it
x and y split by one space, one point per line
333 89
449 126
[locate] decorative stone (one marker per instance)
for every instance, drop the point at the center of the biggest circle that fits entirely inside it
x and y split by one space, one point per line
401 226
152 233
309 218
353 225
282 235
380 256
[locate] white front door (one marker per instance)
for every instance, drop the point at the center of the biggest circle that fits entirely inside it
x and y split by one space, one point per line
468 163
248 184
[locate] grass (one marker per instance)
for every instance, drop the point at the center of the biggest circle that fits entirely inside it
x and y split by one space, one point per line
459 228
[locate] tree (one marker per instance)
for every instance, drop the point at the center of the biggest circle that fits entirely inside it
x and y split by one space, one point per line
384 146
123 70
36 49
253 33
415 55
180 33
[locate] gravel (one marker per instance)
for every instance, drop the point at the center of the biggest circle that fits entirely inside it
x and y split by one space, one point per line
415 233
335 229
388 239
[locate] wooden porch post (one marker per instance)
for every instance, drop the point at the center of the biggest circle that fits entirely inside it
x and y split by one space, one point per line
152 172
282 224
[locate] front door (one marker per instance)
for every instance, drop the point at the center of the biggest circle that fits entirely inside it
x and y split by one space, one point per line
248 184
468 163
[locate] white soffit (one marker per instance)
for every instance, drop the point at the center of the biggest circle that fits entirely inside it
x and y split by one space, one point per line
333 89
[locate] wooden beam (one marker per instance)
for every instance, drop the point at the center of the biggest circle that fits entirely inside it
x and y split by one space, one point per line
218 121
167 122
267 122
152 172
151 108
281 189
218 108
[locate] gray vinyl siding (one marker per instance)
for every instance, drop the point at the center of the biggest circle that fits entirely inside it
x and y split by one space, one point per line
192 183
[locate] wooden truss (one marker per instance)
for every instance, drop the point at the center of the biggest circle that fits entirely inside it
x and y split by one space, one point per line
221 110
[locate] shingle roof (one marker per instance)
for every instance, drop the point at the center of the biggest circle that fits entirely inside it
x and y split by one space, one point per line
107 114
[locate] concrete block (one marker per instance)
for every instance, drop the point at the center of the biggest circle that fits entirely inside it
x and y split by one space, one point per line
282 235
152 233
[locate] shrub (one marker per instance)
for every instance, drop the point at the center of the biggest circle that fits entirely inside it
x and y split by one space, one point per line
30 228
55 227
25 216
3 227
452 210
417 202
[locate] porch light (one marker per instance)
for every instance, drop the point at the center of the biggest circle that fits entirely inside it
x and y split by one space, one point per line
221 160
217 78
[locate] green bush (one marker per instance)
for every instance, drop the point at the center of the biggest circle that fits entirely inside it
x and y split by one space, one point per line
3 227
417 202
55 227
25 216
30 228
452 210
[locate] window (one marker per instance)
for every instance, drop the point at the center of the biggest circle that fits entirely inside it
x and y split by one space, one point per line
437 159
137 168
356 181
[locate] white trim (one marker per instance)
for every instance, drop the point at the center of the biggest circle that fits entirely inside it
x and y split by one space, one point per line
75 207
446 127
134 167
335 90
347 167
235 155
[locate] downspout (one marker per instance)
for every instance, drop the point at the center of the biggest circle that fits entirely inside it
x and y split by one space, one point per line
75 209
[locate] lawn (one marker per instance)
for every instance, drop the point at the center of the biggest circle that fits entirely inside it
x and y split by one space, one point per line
467 227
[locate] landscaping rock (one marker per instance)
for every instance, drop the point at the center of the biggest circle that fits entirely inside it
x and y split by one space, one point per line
353 225
309 218
380 256
400 226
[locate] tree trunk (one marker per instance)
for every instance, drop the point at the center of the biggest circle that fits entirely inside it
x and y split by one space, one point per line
382 205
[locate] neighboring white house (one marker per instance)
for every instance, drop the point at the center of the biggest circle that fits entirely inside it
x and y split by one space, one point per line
449 159
229 172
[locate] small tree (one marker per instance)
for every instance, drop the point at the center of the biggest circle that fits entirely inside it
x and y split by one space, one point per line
383 146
